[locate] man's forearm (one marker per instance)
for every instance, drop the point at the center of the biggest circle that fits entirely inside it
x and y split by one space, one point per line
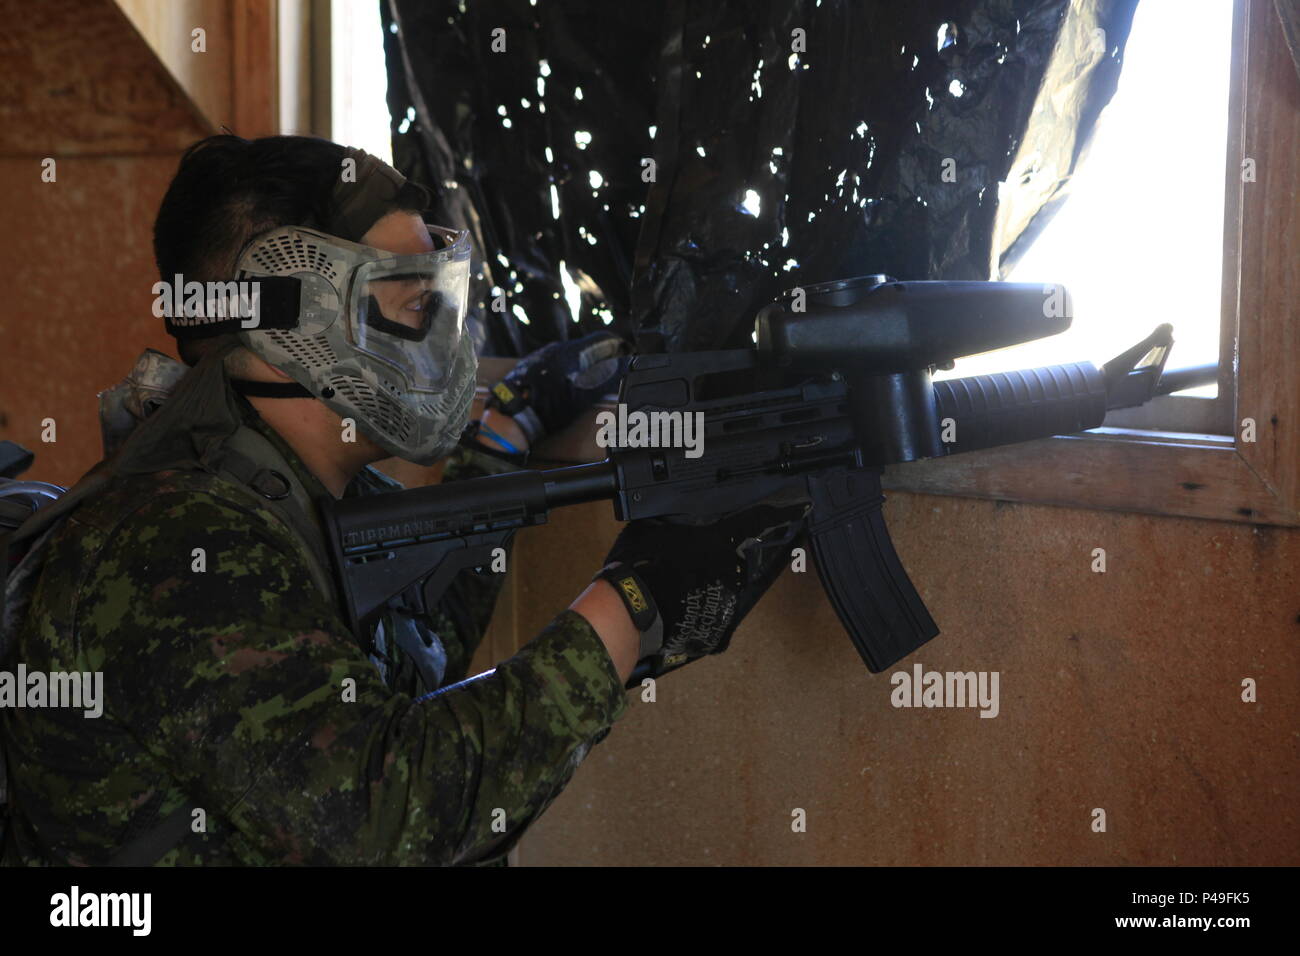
605 612
506 427
599 603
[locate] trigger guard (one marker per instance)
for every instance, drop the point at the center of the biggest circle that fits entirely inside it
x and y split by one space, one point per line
753 551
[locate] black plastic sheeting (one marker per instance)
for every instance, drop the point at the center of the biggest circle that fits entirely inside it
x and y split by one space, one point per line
794 142
475 125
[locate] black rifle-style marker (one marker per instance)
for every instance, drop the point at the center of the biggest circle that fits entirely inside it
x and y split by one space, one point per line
838 386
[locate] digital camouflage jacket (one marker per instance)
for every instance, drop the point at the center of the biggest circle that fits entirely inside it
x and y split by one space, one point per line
231 686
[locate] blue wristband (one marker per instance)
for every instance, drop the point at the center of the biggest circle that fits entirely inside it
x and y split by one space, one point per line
484 430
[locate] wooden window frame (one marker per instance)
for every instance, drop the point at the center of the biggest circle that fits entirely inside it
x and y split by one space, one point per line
1177 473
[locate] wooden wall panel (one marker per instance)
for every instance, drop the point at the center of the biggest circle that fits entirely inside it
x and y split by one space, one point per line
76 80
1118 690
80 310
208 77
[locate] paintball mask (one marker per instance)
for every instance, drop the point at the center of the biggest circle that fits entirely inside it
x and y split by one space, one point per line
378 337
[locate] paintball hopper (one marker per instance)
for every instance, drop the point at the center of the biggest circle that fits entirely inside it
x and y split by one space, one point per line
886 337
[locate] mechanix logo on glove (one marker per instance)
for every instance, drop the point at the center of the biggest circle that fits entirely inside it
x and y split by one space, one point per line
704 627
701 578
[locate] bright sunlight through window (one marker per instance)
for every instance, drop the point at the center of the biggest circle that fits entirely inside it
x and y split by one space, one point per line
360 95
1140 239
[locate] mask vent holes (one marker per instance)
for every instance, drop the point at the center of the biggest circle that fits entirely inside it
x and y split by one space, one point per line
440 408
285 255
381 412
313 351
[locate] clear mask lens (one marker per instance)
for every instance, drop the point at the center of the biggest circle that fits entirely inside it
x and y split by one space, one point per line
409 311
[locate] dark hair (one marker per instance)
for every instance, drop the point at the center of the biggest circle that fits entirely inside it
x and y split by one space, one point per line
228 190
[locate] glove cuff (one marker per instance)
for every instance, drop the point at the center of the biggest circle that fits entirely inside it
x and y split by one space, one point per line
530 424
640 606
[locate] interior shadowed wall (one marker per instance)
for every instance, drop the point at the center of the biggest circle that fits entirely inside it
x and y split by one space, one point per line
81 312
81 88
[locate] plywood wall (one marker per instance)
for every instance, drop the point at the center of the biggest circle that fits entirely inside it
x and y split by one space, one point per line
91 129
1118 690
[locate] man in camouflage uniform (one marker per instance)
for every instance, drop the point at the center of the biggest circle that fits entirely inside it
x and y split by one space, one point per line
242 722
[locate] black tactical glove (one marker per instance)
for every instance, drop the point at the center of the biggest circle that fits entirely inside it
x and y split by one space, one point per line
551 387
688 587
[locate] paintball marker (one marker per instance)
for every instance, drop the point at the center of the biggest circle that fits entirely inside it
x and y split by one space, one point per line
838 386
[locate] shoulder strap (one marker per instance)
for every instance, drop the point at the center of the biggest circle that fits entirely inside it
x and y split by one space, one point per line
248 457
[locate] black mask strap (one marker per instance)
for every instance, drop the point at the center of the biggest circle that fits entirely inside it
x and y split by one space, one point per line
269 389
279 299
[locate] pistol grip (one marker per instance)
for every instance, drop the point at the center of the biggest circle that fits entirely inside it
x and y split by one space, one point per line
860 571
